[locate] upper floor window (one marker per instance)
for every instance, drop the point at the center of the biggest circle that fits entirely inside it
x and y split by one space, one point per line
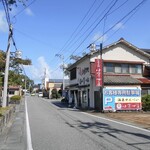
73 74
109 67
123 68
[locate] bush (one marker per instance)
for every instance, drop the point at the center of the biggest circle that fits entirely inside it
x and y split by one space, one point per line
146 102
55 94
15 99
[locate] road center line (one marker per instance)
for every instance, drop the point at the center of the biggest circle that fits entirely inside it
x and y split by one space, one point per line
117 122
29 141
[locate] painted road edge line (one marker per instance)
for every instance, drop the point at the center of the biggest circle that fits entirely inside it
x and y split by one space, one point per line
29 141
116 122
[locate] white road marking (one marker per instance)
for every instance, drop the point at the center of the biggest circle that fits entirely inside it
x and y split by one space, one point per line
29 141
117 122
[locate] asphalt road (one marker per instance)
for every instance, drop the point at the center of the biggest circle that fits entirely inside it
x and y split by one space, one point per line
54 127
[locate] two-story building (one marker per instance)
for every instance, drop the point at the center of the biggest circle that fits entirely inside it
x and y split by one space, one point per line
125 76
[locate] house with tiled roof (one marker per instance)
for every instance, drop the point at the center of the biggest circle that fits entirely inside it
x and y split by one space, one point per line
125 77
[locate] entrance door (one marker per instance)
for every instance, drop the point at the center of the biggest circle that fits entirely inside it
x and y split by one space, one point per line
97 100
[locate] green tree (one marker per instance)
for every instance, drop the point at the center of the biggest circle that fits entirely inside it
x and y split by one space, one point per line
15 73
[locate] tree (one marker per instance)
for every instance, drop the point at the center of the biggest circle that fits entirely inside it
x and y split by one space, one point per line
2 61
15 73
66 72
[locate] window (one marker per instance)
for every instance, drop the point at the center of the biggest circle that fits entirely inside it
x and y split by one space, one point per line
109 67
132 69
125 68
135 69
139 69
117 68
73 74
11 92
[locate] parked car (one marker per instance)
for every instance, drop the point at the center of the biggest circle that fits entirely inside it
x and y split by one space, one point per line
40 94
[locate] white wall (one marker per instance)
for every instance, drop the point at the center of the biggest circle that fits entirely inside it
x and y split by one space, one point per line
83 72
121 52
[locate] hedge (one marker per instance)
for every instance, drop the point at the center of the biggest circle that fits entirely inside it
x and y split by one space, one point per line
146 102
15 99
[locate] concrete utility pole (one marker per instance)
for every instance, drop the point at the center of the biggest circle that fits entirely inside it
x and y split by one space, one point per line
62 58
4 103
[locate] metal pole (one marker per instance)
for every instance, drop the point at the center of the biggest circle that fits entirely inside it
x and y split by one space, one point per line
63 74
101 87
4 104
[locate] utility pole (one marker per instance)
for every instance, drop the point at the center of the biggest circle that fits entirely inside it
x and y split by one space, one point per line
62 58
99 77
101 87
5 91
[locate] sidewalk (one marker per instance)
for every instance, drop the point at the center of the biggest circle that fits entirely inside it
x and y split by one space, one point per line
14 138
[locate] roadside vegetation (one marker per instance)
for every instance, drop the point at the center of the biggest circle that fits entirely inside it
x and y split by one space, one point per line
3 110
146 103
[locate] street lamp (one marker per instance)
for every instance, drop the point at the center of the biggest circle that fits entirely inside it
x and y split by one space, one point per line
62 58
98 72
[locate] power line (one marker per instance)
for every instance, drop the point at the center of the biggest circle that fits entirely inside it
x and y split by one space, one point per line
24 8
78 26
5 5
73 38
91 26
130 12
95 26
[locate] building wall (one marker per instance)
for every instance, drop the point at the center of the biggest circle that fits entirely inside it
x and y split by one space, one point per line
118 52
121 53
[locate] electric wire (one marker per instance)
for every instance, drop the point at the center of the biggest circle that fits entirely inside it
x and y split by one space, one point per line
5 5
129 13
122 24
137 6
24 9
78 26
95 26
94 21
99 21
85 24
92 29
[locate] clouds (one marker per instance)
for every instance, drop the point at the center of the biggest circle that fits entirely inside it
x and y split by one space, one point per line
3 23
118 26
99 38
29 12
36 72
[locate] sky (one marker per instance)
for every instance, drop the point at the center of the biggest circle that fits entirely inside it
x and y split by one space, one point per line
44 29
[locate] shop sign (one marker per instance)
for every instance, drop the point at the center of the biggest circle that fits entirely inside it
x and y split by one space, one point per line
83 75
121 99
98 72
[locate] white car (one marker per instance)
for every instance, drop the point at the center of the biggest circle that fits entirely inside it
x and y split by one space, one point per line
40 94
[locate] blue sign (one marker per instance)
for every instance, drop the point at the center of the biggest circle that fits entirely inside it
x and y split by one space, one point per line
111 97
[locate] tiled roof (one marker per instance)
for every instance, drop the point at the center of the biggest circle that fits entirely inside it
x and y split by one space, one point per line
144 80
120 79
58 80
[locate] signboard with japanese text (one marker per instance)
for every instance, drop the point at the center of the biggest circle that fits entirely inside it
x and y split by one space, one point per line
98 72
83 73
121 99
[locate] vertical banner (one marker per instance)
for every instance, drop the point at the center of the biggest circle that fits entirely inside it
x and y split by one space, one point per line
98 72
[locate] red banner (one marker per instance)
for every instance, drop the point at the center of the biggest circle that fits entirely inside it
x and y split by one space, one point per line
128 106
98 72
